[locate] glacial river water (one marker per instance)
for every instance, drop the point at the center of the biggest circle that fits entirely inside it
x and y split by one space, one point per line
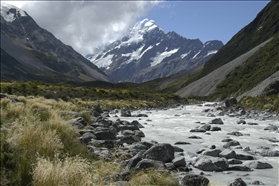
173 125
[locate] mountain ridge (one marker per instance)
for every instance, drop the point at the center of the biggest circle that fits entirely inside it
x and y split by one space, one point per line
146 53
41 55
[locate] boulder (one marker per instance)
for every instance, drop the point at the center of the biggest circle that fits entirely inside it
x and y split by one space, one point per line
231 143
271 127
136 123
257 164
147 163
197 130
257 183
194 180
125 113
234 161
236 133
103 143
237 182
228 154
128 139
230 102
216 121
162 152
214 153
239 168
205 127
208 163
87 137
241 121
105 134
244 157
182 143
194 137
215 128
179 162
79 122
268 153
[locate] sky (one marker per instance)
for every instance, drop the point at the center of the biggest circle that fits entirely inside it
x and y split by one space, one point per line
87 24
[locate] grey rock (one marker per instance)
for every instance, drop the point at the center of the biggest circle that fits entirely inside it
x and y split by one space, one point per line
208 163
197 130
105 134
241 121
227 140
194 180
234 161
231 143
103 143
214 128
236 133
216 121
228 154
169 166
136 123
205 127
177 149
194 137
271 127
244 157
182 143
237 182
257 183
147 163
239 168
257 164
268 153
128 139
87 137
214 153
179 162
79 122
162 152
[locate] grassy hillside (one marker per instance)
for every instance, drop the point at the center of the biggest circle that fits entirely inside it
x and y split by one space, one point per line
258 67
108 97
263 27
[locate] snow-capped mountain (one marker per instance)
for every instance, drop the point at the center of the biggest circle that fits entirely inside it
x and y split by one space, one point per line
29 52
146 52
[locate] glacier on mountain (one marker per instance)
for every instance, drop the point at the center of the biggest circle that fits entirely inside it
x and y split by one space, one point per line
147 49
9 15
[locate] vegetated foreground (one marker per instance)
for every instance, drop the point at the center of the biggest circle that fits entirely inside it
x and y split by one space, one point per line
59 141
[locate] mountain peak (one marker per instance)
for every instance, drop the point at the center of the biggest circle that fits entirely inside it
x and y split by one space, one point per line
10 12
144 26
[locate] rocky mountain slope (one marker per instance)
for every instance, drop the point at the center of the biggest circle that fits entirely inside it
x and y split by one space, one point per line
29 52
147 53
247 61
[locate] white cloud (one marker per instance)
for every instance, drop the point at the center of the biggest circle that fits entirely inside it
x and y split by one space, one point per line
87 24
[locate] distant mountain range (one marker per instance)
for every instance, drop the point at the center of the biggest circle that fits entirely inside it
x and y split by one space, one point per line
146 53
29 52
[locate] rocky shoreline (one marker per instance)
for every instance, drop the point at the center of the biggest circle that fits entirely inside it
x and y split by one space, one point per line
119 134
120 138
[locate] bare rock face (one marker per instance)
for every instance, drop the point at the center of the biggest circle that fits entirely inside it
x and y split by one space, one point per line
162 152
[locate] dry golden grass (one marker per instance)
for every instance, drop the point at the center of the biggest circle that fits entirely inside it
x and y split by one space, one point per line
153 177
71 171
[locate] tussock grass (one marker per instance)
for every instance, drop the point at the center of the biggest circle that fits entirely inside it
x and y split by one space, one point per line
71 171
40 147
152 177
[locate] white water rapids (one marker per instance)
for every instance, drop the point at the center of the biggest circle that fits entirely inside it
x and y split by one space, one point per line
174 124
